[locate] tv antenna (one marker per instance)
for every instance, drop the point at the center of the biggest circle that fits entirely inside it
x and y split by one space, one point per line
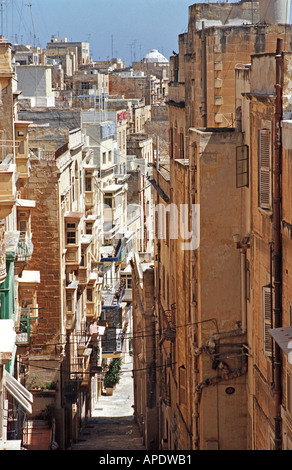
34 35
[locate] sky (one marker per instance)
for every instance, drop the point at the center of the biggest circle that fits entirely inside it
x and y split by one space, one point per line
127 29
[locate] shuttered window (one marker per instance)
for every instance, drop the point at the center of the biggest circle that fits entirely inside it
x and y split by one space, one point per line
289 391
171 141
242 170
182 386
267 320
265 169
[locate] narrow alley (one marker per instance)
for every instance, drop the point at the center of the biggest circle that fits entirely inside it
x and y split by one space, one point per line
112 425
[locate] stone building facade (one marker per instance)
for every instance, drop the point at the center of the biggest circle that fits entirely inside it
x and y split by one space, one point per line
214 341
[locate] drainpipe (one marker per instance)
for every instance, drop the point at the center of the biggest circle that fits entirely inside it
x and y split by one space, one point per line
243 290
277 241
204 77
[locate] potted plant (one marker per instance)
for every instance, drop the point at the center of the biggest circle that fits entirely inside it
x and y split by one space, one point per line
112 375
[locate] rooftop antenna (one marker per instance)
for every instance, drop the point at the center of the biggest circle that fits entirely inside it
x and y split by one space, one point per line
131 46
2 28
34 35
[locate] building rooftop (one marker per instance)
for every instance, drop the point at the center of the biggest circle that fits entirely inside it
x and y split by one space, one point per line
155 56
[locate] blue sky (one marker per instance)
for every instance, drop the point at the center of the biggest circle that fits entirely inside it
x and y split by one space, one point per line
127 28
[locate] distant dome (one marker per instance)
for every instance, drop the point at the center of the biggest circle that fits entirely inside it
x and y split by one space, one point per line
154 56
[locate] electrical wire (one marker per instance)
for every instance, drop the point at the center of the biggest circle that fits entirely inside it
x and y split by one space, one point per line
61 370
126 336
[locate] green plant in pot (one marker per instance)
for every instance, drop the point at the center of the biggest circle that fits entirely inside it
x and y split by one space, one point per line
112 375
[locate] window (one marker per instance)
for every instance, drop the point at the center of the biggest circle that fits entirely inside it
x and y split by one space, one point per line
182 385
88 184
265 169
85 85
242 166
71 234
175 138
108 201
171 141
289 390
82 261
69 302
21 147
104 158
73 187
80 178
22 225
128 281
88 229
248 280
267 320
89 295
181 144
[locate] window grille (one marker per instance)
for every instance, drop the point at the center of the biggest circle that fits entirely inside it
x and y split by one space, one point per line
267 320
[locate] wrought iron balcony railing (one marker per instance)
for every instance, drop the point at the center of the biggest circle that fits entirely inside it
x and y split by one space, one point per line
24 248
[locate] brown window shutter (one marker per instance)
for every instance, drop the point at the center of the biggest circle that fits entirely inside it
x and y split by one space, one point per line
265 169
182 386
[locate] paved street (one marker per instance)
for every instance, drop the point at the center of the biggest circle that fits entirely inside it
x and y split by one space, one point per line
113 426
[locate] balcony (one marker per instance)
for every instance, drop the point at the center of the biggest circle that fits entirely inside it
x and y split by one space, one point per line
27 316
21 149
2 252
169 317
176 94
19 246
84 269
126 275
89 199
83 340
112 342
28 307
111 254
112 295
72 240
25 248
7 188
71 303
93 299
79 368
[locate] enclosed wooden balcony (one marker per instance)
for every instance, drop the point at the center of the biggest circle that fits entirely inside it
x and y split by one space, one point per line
2 252
28 311
71 304
21 149
73 240
79 367
84 269
93 299
7 188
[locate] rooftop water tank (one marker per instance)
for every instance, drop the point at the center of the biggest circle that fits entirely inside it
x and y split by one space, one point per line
275 11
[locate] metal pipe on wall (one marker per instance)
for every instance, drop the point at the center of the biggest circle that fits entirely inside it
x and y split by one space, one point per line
243 291
277 258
